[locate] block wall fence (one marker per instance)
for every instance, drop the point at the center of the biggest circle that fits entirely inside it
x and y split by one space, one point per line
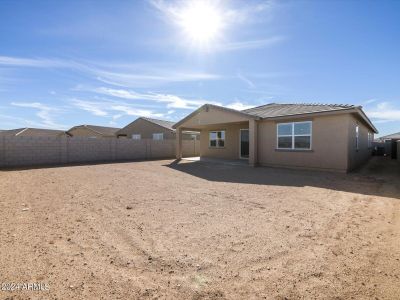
36 151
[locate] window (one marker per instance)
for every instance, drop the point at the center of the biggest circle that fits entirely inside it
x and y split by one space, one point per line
158 136
217 139
357 137
294 136
136 136
370 139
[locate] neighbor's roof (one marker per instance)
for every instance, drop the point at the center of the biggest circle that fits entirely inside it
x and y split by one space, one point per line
391 136
34 131
98 129
162 123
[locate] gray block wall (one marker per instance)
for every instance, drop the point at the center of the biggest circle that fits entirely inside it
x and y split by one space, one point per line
31 151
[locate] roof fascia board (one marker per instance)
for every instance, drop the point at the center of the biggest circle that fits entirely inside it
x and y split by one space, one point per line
216 107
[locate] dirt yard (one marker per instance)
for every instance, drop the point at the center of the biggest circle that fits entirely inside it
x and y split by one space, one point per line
149 230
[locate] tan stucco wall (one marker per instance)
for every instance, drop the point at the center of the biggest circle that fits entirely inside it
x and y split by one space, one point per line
231 149
360 156
146 130
83 132
329 145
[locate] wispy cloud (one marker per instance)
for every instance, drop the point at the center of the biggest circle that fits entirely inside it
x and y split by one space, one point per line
93 107
44 112
384 112
31 62
151 77
126 75
172 101
251 44
246 80
239 105
113 109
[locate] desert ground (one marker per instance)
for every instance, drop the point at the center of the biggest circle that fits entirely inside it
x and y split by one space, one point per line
191 230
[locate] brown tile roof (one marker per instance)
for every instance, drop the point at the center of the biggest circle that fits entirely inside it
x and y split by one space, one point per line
278 110
31 131
108 131
162 123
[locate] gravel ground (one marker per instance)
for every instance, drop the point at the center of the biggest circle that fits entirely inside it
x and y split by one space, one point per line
148 230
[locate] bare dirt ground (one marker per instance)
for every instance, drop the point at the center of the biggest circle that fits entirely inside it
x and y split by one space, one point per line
149 230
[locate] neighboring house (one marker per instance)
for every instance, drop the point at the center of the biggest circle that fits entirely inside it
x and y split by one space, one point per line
390 144
33 132
93 131
311 136
147 128
390 137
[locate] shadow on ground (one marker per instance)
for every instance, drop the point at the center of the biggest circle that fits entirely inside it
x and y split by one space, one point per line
379 177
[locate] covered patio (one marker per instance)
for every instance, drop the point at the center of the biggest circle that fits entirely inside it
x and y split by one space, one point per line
225 134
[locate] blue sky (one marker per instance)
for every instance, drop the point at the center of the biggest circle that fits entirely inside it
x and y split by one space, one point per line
65 63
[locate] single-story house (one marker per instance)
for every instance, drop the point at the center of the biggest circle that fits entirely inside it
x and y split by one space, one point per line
309 136
390 137
33 132
390 144
148 128
93 131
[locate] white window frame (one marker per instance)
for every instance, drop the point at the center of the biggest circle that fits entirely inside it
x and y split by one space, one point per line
216 140
293 135
357 137
158 136
136 136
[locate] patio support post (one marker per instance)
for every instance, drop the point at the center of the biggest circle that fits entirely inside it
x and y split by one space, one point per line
253 128
179 143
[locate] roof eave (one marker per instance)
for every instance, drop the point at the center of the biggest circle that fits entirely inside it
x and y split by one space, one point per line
217 107
366 119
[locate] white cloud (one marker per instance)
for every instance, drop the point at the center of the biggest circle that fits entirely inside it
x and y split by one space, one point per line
172 101
249 83
251 44
384 112
369 101
113 109
31 62
151 77
130 111
45 113
125 75
239 105
92 107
